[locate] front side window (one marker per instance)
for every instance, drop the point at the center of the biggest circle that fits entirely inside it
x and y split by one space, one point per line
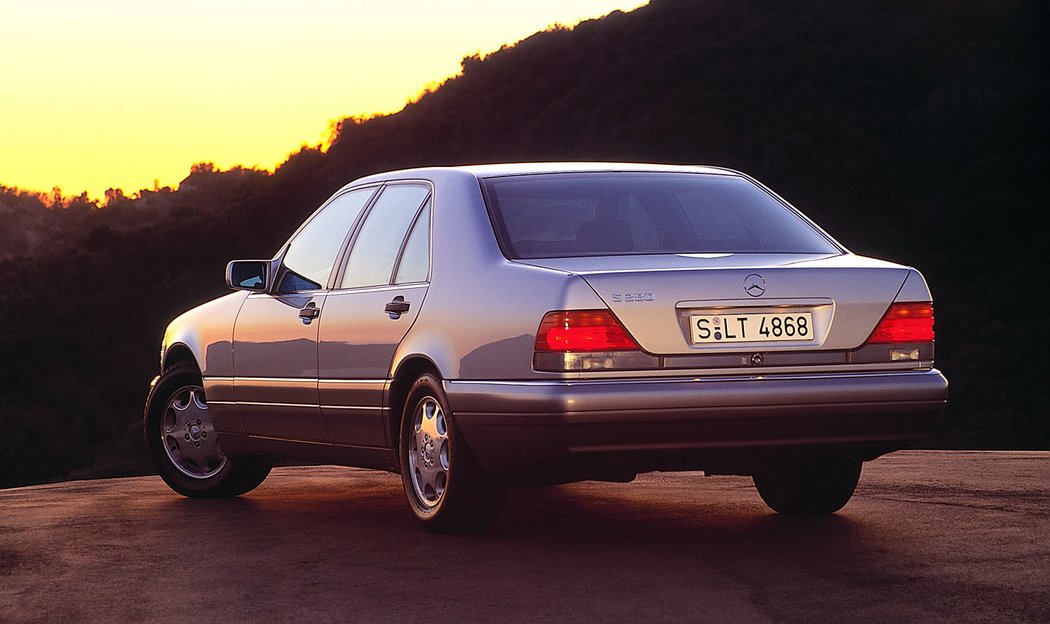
382 235
313 251
597 214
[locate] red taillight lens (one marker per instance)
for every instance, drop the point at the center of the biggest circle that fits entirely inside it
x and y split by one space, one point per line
583 330
905 322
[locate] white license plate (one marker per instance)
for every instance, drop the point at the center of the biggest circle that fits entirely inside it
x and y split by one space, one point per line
772 327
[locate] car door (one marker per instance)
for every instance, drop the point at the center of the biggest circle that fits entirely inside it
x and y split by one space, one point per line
275 335
379 293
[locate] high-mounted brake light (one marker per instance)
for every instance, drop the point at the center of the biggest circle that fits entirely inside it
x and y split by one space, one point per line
905 322
583 330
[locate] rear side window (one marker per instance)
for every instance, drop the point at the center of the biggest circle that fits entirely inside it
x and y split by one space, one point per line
415 260
595 214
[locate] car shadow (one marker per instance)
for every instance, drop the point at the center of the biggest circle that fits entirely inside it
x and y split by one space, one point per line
608 550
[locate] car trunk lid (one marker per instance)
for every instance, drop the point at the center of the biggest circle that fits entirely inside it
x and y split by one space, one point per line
659 298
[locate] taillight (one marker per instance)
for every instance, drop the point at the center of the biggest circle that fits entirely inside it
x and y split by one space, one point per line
583 330
587 340
905 322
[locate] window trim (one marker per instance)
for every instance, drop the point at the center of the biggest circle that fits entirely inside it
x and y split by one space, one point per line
344 250
284 270
334 283
427 203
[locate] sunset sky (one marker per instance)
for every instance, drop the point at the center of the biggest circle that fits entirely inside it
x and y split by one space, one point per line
119 93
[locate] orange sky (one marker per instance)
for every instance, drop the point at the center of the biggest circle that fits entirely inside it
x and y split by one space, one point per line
119 93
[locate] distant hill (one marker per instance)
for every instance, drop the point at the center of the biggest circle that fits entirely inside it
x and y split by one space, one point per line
911 131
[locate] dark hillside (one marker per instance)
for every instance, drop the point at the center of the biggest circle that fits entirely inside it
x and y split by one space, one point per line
911 131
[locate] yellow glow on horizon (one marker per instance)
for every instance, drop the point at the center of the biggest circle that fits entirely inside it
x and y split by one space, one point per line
120 93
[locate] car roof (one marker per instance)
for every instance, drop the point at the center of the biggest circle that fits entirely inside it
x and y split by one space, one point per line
485 171
526 168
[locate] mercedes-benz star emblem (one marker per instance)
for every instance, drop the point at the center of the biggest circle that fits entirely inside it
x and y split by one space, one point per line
754 285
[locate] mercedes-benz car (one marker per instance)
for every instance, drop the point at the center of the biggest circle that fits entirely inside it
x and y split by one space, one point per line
485 327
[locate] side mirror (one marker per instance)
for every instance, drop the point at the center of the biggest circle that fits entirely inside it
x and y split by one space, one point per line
250 275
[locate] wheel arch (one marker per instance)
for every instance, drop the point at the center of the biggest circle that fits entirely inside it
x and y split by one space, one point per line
177 353
406 374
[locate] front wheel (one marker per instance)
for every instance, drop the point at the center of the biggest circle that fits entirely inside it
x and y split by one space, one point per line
184 445
446 488
809 487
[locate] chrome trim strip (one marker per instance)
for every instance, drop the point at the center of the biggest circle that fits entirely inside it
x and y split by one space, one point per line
680 378
354 381
299 379
780 371
216 379
264 404
309 405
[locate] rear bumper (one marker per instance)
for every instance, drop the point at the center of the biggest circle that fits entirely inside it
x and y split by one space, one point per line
718 424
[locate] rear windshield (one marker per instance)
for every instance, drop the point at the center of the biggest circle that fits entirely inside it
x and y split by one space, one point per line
601 214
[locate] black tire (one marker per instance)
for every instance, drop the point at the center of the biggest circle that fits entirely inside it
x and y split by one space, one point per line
178 392
809 487
446 488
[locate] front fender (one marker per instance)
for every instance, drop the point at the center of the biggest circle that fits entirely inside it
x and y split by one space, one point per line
204 333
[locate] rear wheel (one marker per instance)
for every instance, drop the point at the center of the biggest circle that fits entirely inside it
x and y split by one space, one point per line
446 488
184 445
809 487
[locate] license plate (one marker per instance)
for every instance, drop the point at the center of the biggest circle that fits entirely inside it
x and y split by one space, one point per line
771 327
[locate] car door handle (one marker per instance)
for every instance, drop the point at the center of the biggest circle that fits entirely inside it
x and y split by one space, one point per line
309 313
397 307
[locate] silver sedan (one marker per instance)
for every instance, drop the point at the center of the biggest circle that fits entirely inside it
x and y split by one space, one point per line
477 328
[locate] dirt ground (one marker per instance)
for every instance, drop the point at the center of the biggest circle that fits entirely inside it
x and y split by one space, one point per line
929 536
